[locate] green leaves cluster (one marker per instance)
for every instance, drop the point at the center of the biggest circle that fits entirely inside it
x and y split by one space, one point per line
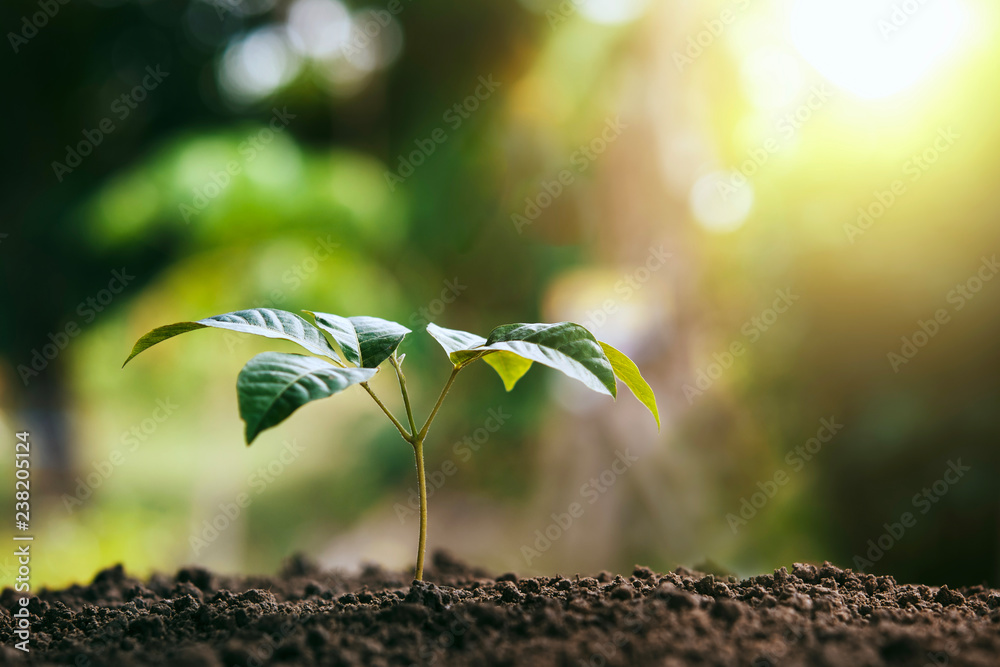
273 385
511 349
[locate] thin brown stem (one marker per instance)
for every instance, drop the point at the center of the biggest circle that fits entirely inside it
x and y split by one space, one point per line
437 406
395 422
402 390
418 454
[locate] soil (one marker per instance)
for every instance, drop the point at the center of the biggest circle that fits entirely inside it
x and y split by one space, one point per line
815 615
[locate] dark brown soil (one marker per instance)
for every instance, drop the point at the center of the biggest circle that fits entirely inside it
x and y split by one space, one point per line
812 616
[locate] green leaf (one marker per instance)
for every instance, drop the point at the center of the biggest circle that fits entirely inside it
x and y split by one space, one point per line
565 346
456 343
267 322
273 385
512 348
628 372
510 367
463 348
366 341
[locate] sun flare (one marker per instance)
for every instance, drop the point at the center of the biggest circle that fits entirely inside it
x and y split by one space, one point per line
876 49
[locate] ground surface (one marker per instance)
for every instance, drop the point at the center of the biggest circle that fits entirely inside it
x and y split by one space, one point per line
811 616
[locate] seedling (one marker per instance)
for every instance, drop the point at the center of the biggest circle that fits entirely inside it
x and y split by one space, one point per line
273 385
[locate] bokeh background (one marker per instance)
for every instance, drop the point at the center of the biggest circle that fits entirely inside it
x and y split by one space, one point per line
760 202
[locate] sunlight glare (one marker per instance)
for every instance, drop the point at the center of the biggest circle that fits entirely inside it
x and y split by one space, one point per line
612 12
876 48
257 64
721 201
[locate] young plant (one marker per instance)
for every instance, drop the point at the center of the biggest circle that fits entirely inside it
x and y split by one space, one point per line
273 385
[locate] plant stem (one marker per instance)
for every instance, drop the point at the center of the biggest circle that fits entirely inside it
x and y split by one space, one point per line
418 454
437 406
395 422
402 390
